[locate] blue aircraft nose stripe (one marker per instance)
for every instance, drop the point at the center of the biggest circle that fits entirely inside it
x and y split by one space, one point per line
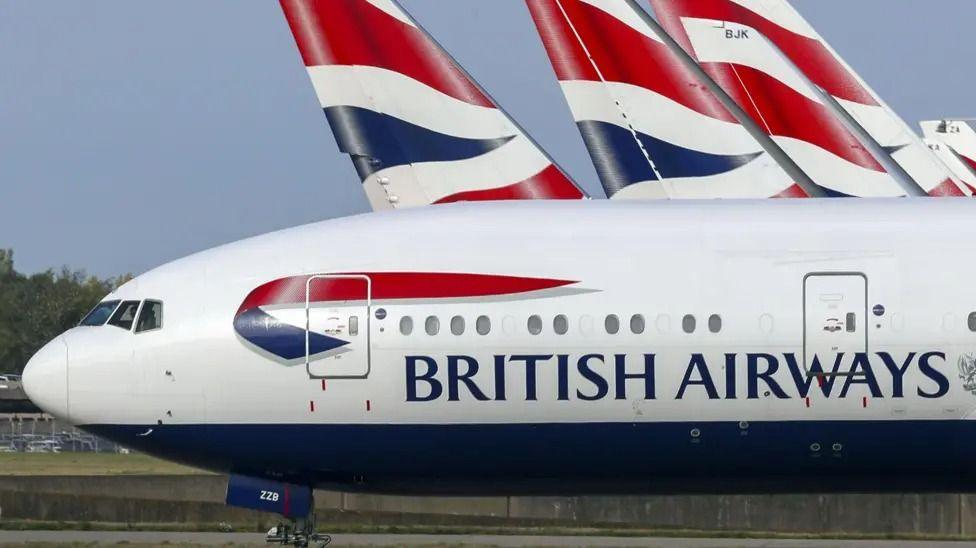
620 162
379 141
281 339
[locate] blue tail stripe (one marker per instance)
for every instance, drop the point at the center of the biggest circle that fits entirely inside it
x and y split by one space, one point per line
281 339
621 163
379 141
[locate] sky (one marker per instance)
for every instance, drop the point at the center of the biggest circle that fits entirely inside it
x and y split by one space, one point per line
134 132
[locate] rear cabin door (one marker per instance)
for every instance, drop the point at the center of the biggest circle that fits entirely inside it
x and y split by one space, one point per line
337 309
835 317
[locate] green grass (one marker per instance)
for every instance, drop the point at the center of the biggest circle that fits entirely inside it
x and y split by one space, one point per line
88 464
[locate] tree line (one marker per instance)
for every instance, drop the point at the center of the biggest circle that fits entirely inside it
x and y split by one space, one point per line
38 307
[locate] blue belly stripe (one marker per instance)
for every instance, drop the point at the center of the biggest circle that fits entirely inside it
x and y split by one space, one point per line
603 458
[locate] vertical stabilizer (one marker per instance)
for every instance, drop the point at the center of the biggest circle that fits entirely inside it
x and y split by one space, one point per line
652 128
793 36
418 128
780 98
954 141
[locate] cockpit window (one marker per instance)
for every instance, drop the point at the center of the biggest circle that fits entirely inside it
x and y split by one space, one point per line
125 316
151 317
100 314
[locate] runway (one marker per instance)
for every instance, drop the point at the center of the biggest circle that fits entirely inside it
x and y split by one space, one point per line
95 538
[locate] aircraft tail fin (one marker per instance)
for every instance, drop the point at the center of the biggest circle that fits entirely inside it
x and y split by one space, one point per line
418 128
796 39
756 73
652 128
954 141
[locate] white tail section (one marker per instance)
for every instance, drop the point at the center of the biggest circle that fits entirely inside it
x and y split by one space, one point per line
795 37
652 127
419 130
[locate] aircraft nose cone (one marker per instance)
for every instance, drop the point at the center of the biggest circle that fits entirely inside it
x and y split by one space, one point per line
45 378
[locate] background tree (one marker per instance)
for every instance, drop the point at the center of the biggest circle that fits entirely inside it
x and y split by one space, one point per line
35 309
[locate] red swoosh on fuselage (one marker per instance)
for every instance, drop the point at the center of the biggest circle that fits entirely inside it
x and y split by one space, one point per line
394 285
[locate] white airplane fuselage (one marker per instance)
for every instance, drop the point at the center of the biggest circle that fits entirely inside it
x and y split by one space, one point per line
556 347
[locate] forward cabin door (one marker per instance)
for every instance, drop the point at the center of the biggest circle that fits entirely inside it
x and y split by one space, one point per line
337 309
835 317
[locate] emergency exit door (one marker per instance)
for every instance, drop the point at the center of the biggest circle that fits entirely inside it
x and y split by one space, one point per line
337 309
835 314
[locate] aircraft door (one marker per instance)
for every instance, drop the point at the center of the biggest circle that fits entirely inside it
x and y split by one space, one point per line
337 309
834 316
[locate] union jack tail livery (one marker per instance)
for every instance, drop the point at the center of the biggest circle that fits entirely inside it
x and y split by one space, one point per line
418 128
955 143
755 79
768 86
651 126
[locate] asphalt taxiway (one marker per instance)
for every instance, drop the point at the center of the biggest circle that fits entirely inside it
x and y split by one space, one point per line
474 541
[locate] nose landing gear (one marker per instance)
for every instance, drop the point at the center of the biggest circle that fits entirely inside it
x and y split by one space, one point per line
298 532
294 502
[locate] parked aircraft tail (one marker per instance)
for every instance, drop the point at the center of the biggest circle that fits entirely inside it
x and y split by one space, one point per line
958 138
786 30
651 126
418 128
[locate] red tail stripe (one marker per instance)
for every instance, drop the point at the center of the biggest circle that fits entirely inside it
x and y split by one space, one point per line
549 184
621 53
788 113
809 54
794 191
355 32
969 161
947 189
395 285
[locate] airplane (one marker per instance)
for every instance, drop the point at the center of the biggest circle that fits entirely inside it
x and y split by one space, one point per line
780 98
753 46
952 160
652 126
546 347
418 128
956 140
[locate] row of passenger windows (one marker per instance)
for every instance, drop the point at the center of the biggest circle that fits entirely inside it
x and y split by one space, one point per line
124 314
560 324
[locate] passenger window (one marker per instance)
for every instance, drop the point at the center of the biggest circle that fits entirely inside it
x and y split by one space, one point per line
560 324
457 325
354 325
612 323
972 322
715 323
535 325
406 325
637 324
432 325
689 323
483 325
100 314
151 317
125 315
